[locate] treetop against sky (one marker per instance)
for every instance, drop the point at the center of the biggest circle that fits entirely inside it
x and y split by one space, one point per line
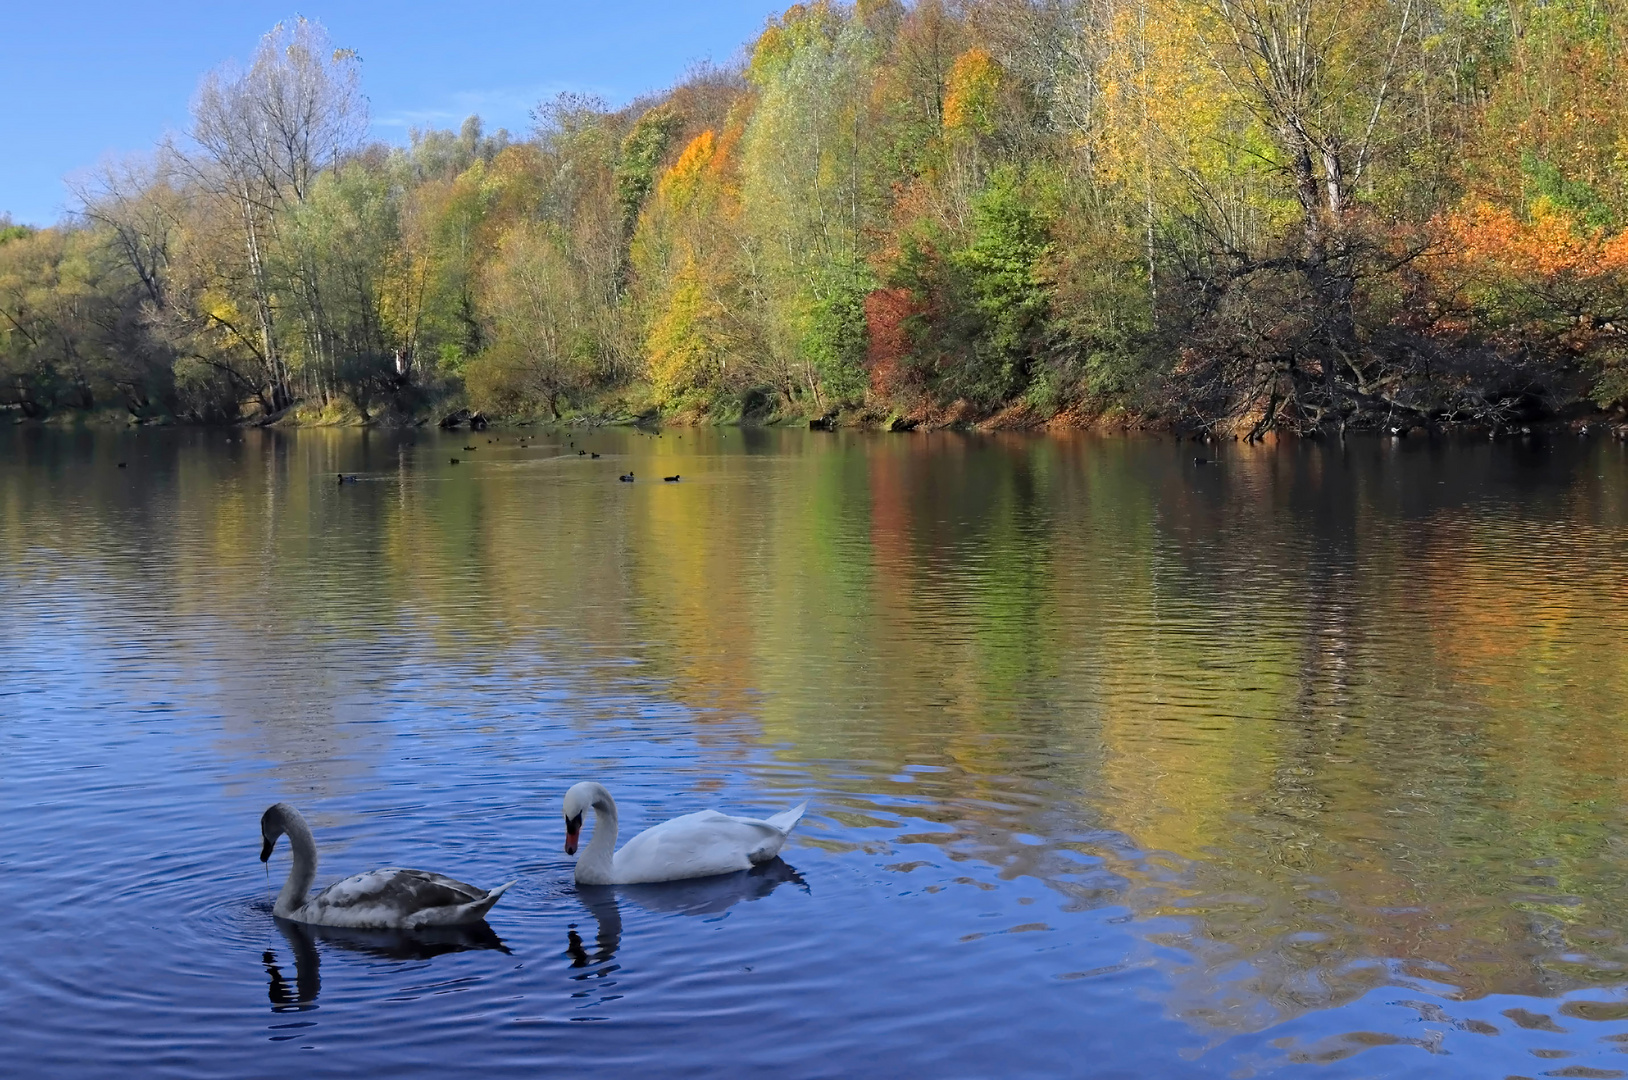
86 80
1234 216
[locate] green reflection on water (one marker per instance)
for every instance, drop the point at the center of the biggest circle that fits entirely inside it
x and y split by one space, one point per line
1325 717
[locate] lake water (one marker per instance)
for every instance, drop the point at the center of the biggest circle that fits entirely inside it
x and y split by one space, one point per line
1313 761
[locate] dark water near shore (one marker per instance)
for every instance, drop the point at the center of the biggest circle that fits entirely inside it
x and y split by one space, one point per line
1313 761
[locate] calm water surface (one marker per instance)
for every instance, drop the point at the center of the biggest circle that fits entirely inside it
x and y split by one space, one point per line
1309 763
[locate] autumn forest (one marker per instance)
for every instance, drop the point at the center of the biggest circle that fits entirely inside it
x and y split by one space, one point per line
1229 216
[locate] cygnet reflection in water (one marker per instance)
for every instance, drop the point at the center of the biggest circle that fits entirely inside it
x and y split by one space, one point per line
422 944
694 896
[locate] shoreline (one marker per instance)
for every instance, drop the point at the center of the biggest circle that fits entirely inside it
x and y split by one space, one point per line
1011 419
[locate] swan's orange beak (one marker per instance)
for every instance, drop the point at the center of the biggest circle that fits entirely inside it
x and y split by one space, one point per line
573 829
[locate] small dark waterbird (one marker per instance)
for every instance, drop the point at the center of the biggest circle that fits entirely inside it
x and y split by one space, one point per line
469 448
456 461
670 479
582 453
593 455
124 464
1205 461
626 478
343 479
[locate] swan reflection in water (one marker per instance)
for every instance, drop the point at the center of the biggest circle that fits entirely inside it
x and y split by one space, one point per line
302 941
697 896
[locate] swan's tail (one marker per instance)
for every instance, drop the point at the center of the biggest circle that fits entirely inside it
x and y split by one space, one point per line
477 909
458 914
788 820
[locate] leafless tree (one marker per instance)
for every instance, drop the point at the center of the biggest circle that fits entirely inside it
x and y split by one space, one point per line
138 202
264 133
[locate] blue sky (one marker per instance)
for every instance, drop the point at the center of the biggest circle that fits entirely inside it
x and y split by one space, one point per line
82 80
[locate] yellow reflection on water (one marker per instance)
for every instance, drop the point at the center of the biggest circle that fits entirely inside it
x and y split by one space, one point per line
1329 713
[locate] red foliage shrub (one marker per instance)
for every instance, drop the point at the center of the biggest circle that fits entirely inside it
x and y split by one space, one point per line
886 315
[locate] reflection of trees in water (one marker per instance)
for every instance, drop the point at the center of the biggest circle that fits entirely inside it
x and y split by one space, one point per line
303 940
1250 733
1326 717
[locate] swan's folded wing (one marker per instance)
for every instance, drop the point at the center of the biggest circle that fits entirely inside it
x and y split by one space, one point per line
385 897
696 845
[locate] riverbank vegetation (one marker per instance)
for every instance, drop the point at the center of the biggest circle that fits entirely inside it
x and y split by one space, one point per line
1223 215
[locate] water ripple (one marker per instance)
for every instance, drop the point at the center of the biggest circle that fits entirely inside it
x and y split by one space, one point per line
1313 759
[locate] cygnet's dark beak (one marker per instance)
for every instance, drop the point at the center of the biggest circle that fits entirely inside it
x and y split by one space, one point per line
265 850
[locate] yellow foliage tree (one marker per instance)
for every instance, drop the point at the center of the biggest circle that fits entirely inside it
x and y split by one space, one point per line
680 184
969 95
686 350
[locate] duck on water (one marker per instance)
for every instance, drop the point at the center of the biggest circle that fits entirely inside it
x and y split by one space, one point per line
387 899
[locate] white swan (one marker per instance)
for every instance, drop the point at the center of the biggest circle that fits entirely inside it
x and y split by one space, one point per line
388 899
692 846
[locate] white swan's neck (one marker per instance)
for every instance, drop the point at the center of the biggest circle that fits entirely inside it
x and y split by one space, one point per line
594 864
303 869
